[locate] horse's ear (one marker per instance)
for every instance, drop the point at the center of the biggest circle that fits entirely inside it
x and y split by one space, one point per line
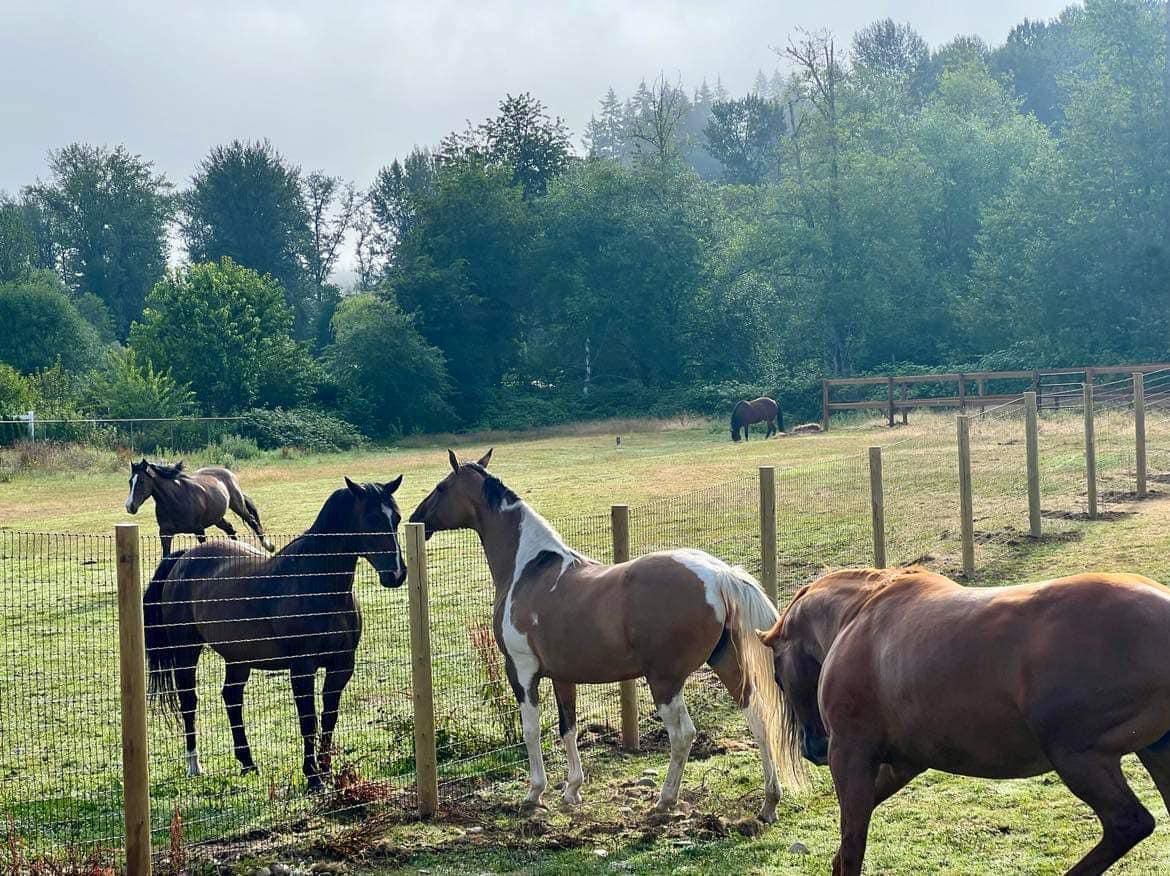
356 489
453 460
393 485
486 458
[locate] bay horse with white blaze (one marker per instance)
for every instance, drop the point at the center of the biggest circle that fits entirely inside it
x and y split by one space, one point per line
563 616
191 502
294 611
887 673
760 410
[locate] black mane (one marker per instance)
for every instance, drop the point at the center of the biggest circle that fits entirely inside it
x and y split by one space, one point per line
495 491
170 472
335 514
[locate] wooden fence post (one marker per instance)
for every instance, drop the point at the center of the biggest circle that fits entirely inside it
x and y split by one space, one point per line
426 763
132 681
768 532
890 400
962 393
1090 449
824 405
1032 444
966 505
1139 426
619 516
877 507
905 409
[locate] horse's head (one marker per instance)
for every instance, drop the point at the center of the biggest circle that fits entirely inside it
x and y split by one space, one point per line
371 516
141 484
797 659
452 503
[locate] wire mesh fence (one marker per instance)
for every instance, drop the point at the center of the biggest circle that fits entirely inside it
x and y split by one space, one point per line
143 434
59 725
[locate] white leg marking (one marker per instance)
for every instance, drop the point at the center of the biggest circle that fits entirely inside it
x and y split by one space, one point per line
130 497
576 773
530 719
771 783
681 731
194 768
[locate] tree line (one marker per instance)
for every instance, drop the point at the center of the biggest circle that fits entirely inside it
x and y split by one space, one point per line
872 204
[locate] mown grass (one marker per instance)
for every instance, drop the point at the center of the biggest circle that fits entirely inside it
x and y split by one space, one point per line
687 485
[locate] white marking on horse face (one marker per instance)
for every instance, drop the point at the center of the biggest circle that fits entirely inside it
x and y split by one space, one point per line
389 512
130 498
535 619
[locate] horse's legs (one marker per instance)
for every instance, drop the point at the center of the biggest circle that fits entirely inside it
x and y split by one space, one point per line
672 708
771 429
1097 779
227 527
200 536
303 675
336 678
566 694
250 514
188 701
891 780
1156 760
234 679
166 538
855 774
727 667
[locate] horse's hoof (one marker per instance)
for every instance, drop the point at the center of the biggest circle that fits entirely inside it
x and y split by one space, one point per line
766 817
249 770
572 797
657 817
531 807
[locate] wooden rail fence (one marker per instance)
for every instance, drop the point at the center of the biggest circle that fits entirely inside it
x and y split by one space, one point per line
1049 395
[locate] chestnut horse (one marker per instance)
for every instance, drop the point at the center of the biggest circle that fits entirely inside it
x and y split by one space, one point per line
760 410
562 616
889 673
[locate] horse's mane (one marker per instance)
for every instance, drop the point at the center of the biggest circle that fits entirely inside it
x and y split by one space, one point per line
495 491
170 472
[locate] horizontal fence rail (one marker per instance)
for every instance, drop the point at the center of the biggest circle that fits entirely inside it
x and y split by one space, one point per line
415 711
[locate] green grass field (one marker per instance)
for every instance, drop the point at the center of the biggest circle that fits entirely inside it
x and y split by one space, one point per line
687 484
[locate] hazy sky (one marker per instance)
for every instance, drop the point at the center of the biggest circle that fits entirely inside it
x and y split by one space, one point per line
346 86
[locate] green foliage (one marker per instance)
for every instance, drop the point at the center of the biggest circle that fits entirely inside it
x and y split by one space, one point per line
42 325
16 393
305 428
212 324
130 388
107 212
17 245
270 236
744 136
391 380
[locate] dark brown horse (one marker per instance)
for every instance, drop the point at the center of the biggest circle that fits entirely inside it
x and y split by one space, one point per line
563 616
760 410
295 612
191 502
889 673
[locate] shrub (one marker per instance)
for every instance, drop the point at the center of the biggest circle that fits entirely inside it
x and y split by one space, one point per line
42 325
299 427
128 387
16 394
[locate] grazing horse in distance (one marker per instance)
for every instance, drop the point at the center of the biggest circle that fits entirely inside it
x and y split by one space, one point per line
887 673
760 410
562 616
191 502
294 611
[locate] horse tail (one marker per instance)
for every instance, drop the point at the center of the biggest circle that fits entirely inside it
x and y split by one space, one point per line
161 655
259 527
749 611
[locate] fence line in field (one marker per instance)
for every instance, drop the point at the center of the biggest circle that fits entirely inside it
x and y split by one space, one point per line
428 715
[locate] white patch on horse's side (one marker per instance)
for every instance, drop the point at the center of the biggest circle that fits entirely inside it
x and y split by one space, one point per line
389 512
724 585
133 484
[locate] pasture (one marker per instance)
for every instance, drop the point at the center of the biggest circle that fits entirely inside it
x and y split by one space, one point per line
687 484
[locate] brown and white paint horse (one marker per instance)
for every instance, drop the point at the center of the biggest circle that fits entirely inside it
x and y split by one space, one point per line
563 616
890 672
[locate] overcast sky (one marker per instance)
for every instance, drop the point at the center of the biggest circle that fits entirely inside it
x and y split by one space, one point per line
346 86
